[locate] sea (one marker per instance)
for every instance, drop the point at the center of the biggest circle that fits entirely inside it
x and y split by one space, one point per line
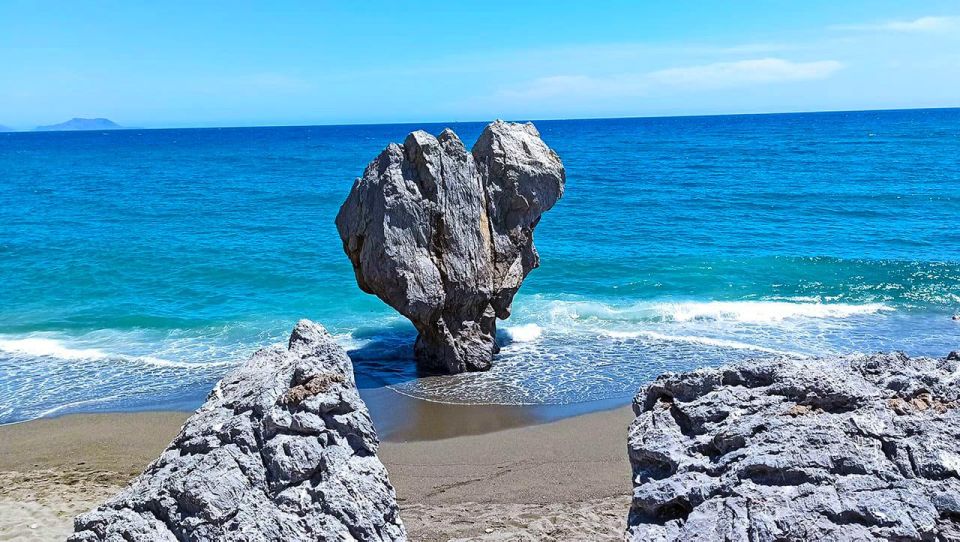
137 267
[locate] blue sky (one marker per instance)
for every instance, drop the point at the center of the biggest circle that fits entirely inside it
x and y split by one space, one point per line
205 63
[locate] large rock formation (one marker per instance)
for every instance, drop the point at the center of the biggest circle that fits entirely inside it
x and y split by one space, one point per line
283 449
445 236
855 449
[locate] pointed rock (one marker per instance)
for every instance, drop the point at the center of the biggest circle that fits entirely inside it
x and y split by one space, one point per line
283 449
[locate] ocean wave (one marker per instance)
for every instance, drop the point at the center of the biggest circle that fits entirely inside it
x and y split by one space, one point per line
721 311
523 333
47 347
160 362
707 341
348 342
556 350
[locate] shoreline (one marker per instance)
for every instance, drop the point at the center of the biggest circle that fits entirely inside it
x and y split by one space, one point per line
525 477
400 417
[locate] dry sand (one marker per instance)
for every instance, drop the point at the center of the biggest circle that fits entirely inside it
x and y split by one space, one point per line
52 470
562 480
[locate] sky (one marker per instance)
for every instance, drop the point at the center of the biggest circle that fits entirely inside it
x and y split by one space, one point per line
205 63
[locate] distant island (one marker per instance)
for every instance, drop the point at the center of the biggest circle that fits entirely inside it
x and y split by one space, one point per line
77 124
6 128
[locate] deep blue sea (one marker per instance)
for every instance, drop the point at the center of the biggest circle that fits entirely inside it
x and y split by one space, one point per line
137 267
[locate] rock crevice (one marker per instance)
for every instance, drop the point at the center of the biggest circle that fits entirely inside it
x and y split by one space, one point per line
445 235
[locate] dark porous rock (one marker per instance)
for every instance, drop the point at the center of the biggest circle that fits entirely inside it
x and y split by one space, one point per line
445 235
283 449
863 448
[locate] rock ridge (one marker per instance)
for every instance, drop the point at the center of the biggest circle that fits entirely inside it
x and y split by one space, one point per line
283 449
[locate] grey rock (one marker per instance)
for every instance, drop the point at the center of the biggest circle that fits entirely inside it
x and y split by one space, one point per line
864 448
283 449
445 235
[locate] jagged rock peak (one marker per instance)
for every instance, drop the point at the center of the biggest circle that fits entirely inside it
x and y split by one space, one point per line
864 448
445 235
283 449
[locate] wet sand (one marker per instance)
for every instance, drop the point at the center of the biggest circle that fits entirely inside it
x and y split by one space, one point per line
461 472
400 418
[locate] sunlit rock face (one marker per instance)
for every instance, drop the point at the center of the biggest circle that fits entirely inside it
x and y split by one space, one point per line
445 235
283 449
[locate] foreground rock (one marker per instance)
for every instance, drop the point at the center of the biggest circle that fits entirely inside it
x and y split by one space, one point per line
855 449
283 449
445 235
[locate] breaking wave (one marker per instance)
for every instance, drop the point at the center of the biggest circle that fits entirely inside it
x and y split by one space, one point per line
554 351
45 347
721 311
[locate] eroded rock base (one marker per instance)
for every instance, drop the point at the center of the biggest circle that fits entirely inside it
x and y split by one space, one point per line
444 234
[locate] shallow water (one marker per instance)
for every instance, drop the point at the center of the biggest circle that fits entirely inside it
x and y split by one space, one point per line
138 266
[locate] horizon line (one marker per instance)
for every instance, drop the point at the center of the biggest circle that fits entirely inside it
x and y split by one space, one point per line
403 123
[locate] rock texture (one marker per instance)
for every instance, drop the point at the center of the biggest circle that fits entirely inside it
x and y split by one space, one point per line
445 235
283 449
852 449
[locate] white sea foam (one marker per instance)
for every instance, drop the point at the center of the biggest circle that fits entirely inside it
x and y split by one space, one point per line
160 362
558 351
39 346
46 347
708 341
729 311
524 333
763 311
348 342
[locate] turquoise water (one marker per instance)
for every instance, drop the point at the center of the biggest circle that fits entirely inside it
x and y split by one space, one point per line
138 266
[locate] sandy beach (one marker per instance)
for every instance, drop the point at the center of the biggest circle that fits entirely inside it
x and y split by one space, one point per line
54 469
561 480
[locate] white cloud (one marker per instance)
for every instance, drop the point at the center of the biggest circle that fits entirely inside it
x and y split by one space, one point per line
921 24
701 77
745 72
577 85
